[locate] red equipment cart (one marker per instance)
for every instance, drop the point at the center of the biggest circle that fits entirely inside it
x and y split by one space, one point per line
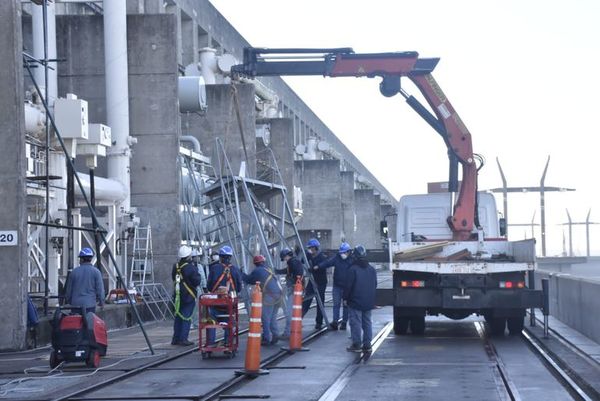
227 319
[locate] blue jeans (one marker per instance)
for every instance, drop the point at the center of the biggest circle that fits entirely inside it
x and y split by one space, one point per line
218 316
77 311
337 293
360 320
181 328
269 322
288 310
309 293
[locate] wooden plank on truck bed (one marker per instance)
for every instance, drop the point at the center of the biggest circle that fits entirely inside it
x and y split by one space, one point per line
463 254
420 252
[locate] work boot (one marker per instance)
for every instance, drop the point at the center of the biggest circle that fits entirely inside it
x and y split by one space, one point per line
333 326
367 349
174 342
343 326
275 340
265 342
318 326
185 343
354 348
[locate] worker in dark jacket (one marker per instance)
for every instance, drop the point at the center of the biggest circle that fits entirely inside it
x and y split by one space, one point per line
315 256
292 271
341 263
272 295
359 293
223 274
186 278
85 286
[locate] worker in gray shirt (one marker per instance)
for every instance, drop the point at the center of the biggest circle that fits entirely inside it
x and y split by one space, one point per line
84 285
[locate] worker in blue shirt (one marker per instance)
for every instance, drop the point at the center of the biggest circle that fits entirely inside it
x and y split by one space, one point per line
359 293
292 271
272 295
186 278
315 256
341 263
201 289
84 285
222 274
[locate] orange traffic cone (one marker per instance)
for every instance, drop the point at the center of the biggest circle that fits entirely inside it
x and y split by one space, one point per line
252 363
296 326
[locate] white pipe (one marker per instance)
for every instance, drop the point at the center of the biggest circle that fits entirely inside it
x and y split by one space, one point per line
37 23
105 189
35 120
193 140
208 65
117 93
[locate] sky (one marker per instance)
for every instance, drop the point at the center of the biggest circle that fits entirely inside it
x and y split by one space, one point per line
522 74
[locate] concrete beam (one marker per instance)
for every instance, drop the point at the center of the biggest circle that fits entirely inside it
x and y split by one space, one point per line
13 215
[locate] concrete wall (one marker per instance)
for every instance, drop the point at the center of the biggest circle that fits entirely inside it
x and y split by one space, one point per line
574 301
13 216
220 120
348 206
154 113
321 182
368 214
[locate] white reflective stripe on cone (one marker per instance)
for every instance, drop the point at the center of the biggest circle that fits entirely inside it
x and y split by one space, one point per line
297 306
255 320
297 292
253 334
256 304
297 318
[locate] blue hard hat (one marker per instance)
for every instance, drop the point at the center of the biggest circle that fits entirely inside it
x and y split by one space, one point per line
360 251
313 243
86 253
345 247
226 251
285 252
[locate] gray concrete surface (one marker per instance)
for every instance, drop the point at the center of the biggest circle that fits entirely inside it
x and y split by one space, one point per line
368 217
574 301
13 215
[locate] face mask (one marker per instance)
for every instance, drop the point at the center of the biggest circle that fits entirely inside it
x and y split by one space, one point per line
344 256
215 257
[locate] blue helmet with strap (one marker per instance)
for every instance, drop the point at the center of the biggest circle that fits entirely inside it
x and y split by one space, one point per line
345 247
313 243
285 252
86 253
226 251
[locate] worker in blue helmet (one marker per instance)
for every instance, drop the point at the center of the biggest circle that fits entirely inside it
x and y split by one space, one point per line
315 256
359 293
293 270
84 285
187 279
341 262
227 276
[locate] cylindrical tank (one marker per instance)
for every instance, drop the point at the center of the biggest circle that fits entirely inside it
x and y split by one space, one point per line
192 94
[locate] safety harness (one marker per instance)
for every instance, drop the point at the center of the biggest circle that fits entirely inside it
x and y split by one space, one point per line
230 282
178 280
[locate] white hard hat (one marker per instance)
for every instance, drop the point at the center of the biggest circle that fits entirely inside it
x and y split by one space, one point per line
184 251
195 253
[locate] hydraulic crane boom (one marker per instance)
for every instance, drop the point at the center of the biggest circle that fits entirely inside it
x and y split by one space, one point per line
343 62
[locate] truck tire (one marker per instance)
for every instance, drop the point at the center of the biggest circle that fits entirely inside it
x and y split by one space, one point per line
515 325
400 323
497 326
417 325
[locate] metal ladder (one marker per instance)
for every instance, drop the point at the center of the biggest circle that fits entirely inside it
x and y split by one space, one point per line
142 260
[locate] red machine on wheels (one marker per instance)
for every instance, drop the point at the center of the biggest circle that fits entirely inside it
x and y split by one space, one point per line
78 338
226 320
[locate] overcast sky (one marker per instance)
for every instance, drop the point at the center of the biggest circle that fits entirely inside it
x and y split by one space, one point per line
523 75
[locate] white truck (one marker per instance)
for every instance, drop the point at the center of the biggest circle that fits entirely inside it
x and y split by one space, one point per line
433 274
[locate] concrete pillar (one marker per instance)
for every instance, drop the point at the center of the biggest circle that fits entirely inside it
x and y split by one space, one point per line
220 120
321 184
389 214
189 40
367 218
348 206
13 215
155 122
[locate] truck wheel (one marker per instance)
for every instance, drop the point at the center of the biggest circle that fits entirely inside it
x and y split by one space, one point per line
400 323
93 359
417 325
497 326
515 325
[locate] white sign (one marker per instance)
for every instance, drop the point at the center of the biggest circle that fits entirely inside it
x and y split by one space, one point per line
8 238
